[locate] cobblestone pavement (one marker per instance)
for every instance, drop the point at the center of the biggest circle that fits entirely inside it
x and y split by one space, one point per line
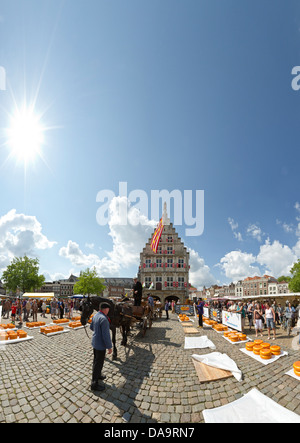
153 380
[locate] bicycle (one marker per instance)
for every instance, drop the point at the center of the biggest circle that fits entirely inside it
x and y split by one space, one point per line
287 324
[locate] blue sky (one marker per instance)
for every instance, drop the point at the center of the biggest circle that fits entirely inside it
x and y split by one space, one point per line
162 95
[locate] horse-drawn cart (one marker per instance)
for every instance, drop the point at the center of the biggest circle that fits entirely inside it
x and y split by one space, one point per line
143 316
157 309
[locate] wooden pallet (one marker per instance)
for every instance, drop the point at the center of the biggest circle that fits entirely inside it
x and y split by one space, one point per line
207 373
191 330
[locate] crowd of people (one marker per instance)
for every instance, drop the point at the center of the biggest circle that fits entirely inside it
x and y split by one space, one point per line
266 314
24 310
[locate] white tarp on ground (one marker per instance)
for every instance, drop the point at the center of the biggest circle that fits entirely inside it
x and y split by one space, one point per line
198 343
221 361
253 407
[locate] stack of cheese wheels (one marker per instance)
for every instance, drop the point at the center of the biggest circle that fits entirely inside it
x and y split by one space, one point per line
3 336
242 337
60 321
227 333
75 324
12 335
51 329
220 328
249 346
265 353
256 349
35 324
21 333
233 337
265 345
276 350
296 367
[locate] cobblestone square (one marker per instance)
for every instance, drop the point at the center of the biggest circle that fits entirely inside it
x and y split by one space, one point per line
153 380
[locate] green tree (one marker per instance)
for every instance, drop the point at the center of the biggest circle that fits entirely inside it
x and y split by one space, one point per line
89 283
283 278
23 274
294 284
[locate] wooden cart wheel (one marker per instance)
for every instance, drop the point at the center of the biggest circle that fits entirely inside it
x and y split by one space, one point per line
144 327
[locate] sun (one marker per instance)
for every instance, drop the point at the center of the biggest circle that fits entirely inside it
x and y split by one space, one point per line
25 134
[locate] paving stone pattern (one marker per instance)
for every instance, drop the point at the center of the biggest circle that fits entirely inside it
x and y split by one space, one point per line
153 380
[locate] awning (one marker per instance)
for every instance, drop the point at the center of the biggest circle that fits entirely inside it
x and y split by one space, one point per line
39 295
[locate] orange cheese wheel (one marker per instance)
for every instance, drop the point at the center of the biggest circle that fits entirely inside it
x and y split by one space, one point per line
276 350
265 353
256 349
250 345
13 336
234 339
297 373
265 345
242 337
258 342
296 366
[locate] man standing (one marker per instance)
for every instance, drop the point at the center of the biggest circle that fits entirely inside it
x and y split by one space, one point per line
34 310
101 341
137 292
199 308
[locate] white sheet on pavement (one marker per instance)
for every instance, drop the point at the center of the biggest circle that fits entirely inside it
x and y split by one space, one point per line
221 361
253 407
198 343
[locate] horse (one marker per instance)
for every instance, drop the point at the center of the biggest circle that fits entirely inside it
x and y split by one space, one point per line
120 315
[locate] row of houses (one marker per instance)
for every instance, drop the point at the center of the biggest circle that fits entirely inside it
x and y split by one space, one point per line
249 287
114 287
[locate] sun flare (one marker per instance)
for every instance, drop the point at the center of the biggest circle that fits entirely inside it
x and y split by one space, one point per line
25 135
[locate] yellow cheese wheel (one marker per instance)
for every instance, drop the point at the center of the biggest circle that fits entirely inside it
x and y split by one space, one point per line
242 337
265 345
258 342
265 354
296 366
250 346
276 350
256 349
13 336
234 339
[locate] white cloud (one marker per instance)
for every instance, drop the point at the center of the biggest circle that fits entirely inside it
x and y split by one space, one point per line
128 241
255 232
238 265
277 258
234 225
200 274
90 245
20 234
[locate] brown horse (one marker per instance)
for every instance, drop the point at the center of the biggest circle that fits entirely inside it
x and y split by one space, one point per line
120 315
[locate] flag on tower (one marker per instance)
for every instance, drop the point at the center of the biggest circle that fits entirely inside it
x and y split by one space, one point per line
156 236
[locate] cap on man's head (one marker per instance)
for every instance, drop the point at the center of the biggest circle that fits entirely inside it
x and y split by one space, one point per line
104 305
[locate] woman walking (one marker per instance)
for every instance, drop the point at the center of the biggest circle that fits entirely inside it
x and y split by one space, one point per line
270 320
258 317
